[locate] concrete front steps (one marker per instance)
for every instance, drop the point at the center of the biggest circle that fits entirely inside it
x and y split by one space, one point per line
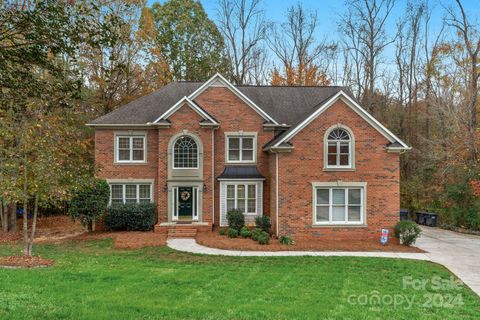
181 230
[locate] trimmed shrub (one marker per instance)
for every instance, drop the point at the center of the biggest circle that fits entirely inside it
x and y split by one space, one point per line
131 217
286 240
407 232
232 233
263 238
90 203
223 231
263 223
245 232
235 219
256 233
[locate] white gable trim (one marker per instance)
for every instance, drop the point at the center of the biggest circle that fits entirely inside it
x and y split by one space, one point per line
218 80
357 108
191 104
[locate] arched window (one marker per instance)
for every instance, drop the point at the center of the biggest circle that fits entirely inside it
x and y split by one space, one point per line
339 152
185 153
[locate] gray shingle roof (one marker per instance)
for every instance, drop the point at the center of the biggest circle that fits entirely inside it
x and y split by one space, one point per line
148 108
289 105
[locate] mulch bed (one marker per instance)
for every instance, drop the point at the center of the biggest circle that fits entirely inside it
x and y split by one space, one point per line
215 240
126 239
58 229
25 262
48 229
137 240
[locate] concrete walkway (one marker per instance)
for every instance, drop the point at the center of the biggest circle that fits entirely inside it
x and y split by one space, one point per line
460 253
189 245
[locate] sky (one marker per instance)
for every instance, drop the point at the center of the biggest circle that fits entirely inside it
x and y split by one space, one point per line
330 11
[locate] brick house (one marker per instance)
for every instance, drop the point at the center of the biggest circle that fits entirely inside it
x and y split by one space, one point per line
309 157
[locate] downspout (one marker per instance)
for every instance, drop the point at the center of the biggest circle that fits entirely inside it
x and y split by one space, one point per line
276 194
213 177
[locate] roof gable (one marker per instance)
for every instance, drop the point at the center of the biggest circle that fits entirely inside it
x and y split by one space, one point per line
288 135
186 101
219 81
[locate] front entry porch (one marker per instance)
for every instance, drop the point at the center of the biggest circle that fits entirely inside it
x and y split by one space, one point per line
185 211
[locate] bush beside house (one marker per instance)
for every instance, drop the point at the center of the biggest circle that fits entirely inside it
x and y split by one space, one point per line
90 203
131 217
235 219
407 232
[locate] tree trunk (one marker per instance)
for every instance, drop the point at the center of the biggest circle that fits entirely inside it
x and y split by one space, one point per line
3 218
90 226
25 226
25 204
34 226
12 212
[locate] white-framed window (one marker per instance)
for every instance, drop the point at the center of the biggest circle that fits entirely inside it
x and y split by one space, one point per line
246 195
241 148
339 205
185 153
339 148
130 193
242 197
130 148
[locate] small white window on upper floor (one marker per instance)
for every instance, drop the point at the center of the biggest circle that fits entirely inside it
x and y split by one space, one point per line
241 147
130 148
339 151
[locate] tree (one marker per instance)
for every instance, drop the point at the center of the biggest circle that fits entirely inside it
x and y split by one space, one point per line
364 31
302 76
470 42
244 28
122 63
303 59
188 40
38 90
90 203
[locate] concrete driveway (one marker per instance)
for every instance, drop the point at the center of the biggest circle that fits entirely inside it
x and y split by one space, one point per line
460 253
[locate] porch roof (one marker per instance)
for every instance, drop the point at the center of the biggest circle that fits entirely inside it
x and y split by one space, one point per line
241 173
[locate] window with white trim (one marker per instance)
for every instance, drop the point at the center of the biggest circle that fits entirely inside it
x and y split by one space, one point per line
338 205
130 193
241 149
130 149
242 197
339 149
185 153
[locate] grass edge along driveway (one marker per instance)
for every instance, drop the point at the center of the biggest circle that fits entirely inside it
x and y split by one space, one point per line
90 280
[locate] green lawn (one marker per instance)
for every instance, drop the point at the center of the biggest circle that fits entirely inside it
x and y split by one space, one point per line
93 281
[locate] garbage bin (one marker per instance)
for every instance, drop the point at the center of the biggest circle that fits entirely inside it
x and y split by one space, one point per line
403 214
421 217
431 219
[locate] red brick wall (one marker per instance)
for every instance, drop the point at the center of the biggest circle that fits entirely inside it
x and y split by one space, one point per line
297 170
184 119
304 165
104 158
234 115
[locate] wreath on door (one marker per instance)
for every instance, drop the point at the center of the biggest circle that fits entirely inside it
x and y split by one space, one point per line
185 195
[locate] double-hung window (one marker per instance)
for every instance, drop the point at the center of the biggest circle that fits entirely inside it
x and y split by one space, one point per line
130 193
242 197
130 148
339 205
241 149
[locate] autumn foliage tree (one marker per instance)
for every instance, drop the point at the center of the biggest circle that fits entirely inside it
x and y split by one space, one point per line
42 151
300 76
